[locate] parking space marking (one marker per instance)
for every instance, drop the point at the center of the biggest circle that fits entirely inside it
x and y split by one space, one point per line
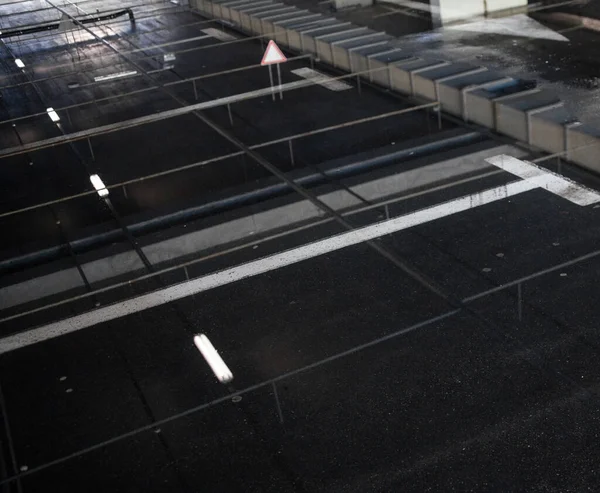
218 34
543 178
261 266
321 79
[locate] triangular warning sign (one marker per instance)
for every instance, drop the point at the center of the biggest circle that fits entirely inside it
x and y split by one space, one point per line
273 54
65 23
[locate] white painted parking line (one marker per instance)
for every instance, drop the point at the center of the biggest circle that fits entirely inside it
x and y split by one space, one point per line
260 266
218 34
321 79
543 178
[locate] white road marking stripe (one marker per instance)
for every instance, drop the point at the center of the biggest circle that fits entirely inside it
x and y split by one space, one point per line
220 35
321 79
261 266
543 178
142 120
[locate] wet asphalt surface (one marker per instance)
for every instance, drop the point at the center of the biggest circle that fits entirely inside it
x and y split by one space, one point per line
353 375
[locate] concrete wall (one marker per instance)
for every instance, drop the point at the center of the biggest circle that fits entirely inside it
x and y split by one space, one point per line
584 145
344 4
499 5
448 11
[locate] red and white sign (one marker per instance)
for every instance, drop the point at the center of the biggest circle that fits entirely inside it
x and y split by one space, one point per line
273 55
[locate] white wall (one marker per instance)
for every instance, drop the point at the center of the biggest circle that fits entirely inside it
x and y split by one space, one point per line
494 5
448 11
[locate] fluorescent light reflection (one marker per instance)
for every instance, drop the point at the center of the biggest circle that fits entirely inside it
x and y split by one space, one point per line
99 185
53 114
118 75
19 63
214 360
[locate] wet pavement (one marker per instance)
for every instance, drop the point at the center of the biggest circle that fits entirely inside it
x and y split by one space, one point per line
345 385
456 353
171 143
